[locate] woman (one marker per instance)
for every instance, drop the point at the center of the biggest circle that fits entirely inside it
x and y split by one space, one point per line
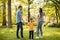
40 22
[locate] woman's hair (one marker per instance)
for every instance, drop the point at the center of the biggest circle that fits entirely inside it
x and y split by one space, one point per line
41 12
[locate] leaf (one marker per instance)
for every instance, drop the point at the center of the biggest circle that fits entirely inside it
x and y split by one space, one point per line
3 1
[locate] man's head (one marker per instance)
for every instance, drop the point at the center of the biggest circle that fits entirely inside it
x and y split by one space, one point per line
20 7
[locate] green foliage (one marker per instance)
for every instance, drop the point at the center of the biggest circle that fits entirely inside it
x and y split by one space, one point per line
24 11
23 2
0 17
3 1
49 10
52 11
54 25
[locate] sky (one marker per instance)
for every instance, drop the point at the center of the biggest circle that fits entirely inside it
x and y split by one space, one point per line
42 3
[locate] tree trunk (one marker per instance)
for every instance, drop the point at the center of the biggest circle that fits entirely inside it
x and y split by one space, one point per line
28 10
9 14
4 15
29 2
56 13
28 13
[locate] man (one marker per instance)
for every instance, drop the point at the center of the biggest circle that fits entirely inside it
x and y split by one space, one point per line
19 21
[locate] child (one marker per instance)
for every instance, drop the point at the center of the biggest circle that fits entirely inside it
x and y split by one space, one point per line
31 29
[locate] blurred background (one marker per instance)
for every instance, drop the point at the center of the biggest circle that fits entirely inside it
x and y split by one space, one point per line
51 9
30 8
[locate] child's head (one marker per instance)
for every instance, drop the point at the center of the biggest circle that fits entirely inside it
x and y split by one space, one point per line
31 19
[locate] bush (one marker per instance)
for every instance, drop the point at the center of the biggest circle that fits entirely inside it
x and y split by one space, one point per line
54 25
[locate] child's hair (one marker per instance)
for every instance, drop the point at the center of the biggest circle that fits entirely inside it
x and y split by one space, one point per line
31 19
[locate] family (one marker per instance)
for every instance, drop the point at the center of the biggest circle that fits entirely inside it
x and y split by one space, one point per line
30 23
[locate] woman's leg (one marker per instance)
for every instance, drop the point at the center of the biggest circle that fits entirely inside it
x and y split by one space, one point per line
37 30
41 33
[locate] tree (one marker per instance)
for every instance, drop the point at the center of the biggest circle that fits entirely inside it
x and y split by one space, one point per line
56 4
4 12
9 14
56 11
29 2
4 15
28 10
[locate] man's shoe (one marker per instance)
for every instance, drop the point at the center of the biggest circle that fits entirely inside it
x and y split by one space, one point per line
18 37
22 37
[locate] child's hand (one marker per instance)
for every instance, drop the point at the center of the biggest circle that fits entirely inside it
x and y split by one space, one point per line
27 27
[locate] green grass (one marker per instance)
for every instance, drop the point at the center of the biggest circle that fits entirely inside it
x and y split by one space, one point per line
48 34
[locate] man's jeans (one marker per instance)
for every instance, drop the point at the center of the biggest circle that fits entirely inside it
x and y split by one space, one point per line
19 26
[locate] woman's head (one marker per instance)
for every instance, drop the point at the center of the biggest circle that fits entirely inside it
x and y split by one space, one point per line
40 11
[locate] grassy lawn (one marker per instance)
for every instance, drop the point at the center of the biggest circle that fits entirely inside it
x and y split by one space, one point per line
48 34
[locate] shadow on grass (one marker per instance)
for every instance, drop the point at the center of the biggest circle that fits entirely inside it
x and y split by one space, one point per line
12 37
3 26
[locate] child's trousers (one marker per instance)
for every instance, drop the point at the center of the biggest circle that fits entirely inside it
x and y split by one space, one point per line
31 34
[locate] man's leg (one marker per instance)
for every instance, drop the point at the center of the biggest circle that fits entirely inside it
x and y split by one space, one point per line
21 29
17 31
